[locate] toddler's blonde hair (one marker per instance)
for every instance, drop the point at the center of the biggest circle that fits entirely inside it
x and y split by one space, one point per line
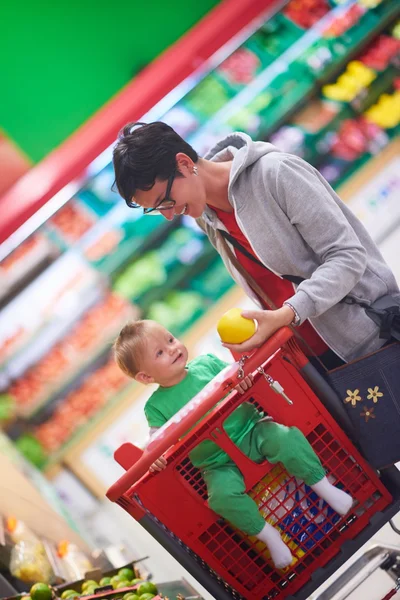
129 346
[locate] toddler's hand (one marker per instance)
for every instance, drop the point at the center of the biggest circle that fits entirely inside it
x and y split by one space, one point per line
159 465
245 385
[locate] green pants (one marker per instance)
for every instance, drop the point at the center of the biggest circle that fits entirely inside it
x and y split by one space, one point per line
267 440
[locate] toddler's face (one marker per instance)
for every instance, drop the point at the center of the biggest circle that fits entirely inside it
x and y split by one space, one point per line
164 358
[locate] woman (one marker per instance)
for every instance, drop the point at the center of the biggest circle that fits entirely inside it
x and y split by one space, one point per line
287 220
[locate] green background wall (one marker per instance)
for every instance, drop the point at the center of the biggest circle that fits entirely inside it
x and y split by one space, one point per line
61 61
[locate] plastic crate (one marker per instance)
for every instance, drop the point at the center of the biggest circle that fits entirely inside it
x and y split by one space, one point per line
174 501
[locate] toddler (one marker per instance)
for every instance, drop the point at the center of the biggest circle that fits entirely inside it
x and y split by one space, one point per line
149 353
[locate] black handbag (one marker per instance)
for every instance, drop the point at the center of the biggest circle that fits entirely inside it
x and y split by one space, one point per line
369 387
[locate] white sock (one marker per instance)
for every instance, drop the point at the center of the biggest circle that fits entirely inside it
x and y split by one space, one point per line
280 553
337 499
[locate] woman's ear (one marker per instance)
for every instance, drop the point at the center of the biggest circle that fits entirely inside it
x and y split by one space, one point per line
141 377
184 164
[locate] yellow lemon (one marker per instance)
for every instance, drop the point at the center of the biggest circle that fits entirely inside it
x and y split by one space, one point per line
235 329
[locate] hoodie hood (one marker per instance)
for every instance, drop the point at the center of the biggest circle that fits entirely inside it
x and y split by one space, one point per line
243 152
240 148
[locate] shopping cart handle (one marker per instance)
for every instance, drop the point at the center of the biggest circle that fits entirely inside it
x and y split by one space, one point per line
194 411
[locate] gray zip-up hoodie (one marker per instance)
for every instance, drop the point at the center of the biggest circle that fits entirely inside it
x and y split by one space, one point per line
297 225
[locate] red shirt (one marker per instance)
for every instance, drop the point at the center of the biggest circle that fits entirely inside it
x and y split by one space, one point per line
276 288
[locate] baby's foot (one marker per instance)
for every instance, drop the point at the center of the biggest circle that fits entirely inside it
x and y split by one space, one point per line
280 553
337 499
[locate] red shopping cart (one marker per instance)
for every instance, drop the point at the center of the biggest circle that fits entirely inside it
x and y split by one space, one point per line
172 504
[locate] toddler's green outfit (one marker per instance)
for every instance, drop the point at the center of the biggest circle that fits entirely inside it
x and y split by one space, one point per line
259 440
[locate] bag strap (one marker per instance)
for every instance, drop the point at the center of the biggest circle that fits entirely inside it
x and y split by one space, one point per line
232 240
252 282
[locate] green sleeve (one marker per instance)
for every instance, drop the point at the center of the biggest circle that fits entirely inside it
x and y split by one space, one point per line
216 363
154 417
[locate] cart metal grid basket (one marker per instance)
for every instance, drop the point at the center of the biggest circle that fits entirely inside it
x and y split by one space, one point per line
172 504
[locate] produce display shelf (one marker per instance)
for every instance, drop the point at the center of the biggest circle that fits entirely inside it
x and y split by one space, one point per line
178 278
78 367
81 432
332 71
388 12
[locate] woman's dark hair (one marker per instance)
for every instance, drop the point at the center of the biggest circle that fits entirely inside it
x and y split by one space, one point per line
144 153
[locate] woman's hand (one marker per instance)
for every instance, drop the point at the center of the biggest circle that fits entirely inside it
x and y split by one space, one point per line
268 321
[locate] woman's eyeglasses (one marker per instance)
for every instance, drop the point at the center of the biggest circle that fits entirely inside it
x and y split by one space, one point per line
165 204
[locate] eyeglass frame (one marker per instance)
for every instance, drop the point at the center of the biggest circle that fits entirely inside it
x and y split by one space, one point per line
158 207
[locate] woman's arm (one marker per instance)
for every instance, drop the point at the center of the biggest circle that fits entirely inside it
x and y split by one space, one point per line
313 211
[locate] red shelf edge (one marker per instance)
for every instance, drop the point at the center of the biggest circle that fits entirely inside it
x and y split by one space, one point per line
70 159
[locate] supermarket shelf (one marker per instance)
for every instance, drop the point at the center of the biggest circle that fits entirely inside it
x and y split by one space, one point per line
36 346
100 416
356 165
277 67
385 20
44 409
71 456
78 367
260 83
117 217
47 301
350 111
370 170
380 85
178 278
334 70
152 241
33 266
